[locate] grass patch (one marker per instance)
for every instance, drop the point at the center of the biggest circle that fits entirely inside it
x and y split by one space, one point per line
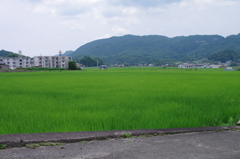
2 146
32 146
127 135
50 144
35 145
44 69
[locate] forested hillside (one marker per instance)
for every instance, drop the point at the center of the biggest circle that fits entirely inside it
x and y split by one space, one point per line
4 53
147 49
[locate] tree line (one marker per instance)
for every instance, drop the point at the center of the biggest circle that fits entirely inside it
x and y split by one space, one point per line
90 62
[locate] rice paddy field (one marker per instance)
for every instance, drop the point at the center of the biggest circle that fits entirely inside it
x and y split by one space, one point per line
117 99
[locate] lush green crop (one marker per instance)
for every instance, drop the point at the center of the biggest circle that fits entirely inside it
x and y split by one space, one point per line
117 98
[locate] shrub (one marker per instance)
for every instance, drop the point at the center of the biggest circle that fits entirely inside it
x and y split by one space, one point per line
72 65
238 68
43 69
79 68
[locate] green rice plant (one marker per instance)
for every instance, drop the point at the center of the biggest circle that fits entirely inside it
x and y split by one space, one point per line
117 99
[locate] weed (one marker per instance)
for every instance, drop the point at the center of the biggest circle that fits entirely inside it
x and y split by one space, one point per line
230 122
127 135
32 145
103 139
2 146
50 144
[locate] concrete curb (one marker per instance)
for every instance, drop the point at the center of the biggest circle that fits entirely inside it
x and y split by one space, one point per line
19 140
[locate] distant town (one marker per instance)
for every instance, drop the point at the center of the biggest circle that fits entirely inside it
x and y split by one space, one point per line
61 61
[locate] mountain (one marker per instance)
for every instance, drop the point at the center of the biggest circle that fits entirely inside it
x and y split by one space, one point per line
68 53
65 53
147 49
4 53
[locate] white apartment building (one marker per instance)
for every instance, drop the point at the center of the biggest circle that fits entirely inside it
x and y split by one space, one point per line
38 61
17 62
52 61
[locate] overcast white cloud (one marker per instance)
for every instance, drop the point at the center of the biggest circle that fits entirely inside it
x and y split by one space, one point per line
47 26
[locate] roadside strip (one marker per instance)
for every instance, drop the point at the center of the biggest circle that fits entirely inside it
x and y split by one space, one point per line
20 140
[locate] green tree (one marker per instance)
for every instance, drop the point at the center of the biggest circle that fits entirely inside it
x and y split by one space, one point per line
72 65
233 64
98 61
12 55
238 68
89 62
224 56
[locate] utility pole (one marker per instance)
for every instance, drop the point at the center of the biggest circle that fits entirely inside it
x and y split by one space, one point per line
97 55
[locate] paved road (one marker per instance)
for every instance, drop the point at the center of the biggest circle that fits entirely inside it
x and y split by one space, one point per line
197 145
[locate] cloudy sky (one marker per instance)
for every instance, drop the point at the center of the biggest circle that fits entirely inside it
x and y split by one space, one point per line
46 26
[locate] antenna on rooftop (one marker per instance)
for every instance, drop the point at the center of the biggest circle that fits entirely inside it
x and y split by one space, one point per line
19 53
60 53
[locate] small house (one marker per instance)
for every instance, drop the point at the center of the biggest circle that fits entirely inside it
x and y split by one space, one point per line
228 69
120 65
151 65
103 67
185 65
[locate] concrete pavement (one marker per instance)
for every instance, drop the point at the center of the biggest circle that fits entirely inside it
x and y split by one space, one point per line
212 143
